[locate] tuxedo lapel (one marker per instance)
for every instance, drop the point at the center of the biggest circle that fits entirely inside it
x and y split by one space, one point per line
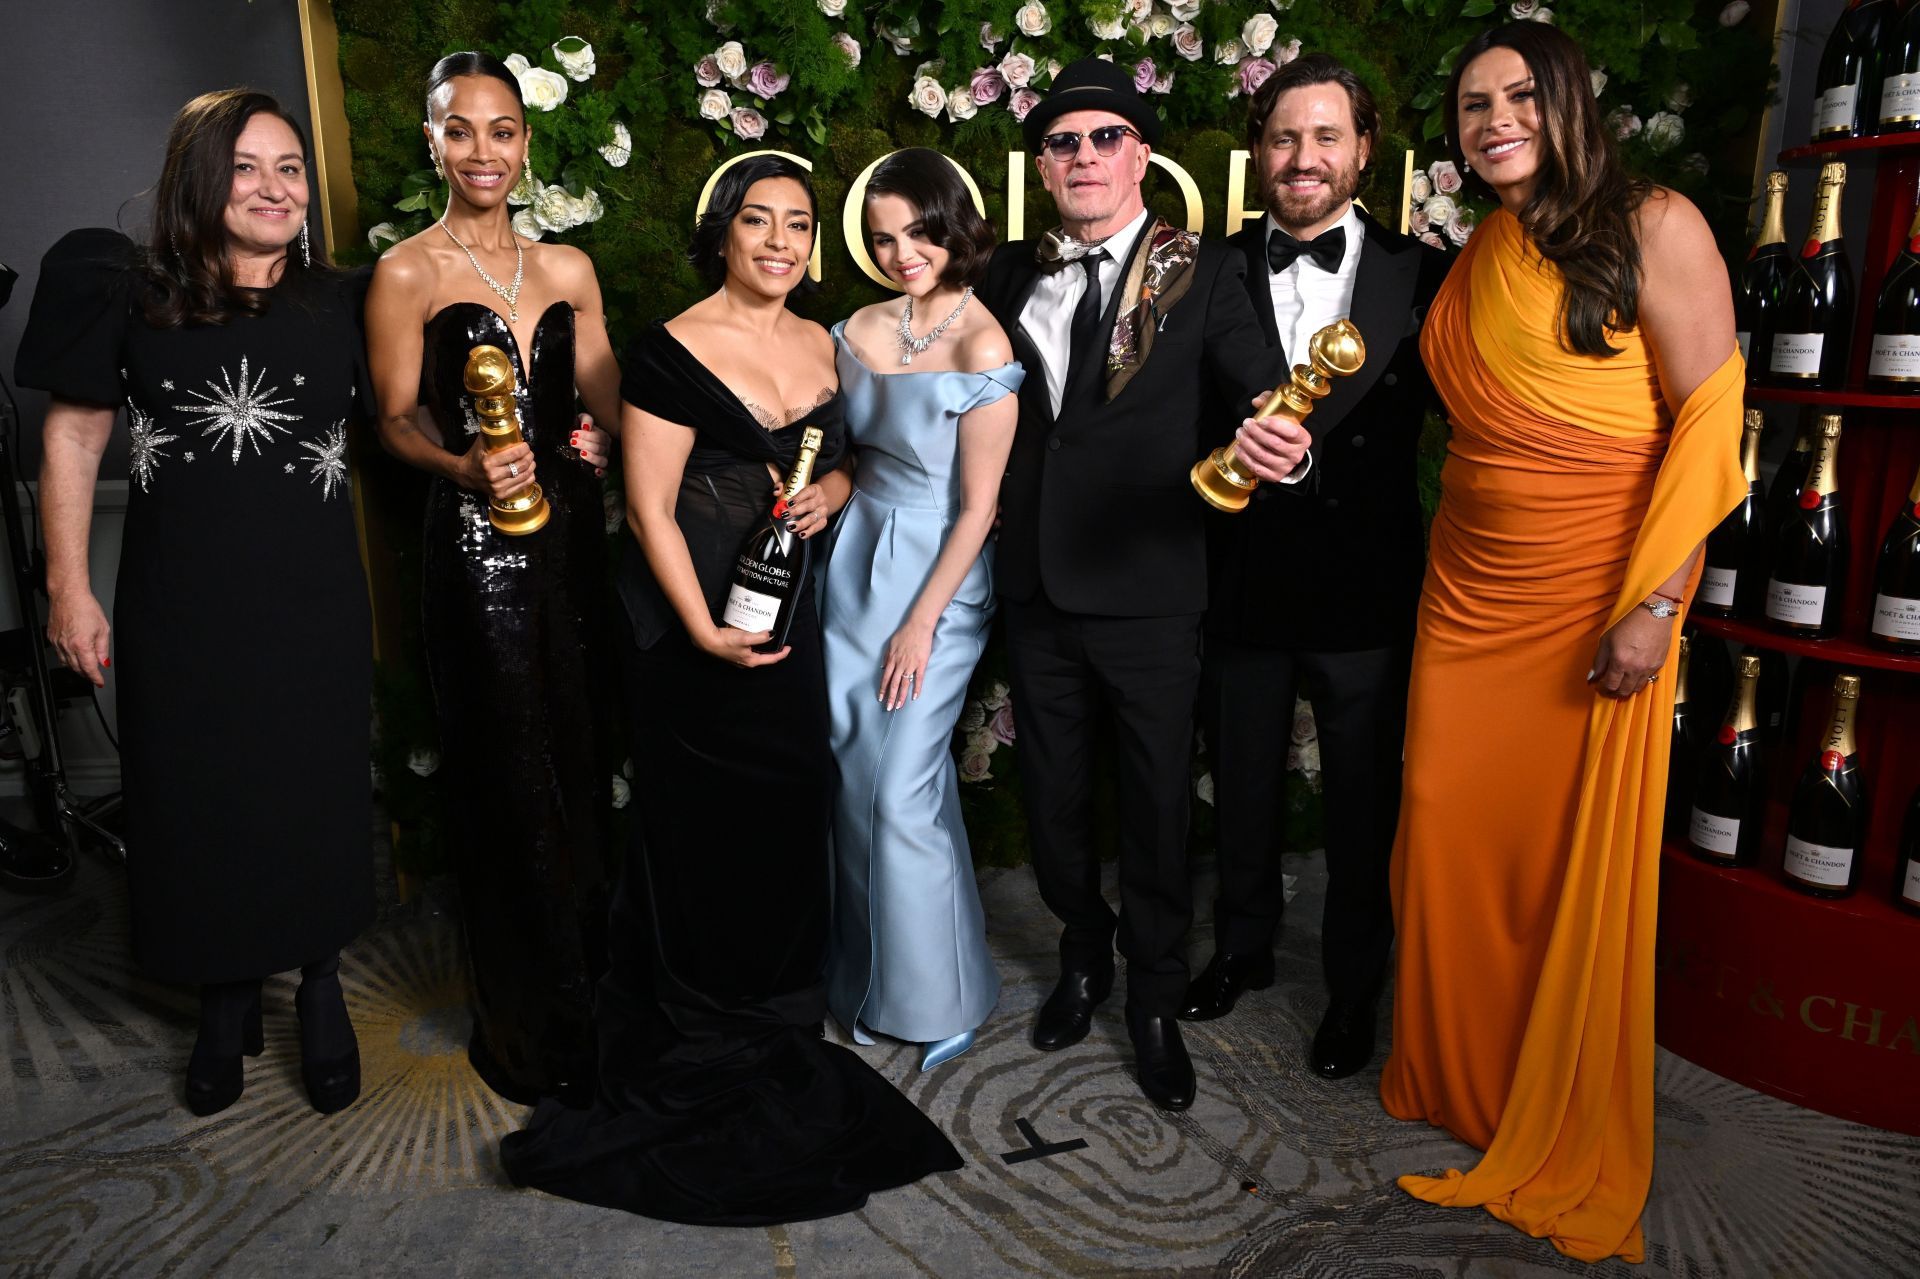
1253 243
1382 311
1026 274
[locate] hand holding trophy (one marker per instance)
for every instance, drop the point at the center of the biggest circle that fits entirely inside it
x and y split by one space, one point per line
489 379
1335 351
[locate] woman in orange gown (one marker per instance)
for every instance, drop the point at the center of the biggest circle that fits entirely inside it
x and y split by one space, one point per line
1584 347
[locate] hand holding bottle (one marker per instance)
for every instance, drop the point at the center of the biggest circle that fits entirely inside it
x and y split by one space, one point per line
807 512
735 647
1631 653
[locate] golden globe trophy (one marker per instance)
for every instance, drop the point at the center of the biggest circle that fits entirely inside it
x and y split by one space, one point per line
489 380
1335 351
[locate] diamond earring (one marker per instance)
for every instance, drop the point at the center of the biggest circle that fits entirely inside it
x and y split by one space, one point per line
306 251
439 170
526 167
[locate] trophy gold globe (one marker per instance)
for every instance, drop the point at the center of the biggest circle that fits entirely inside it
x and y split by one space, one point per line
1335 351
489 379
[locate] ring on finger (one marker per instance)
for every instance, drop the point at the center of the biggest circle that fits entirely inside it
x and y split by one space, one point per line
513 469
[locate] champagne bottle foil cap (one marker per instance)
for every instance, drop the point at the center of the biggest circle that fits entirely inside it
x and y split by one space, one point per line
1777 180
1846 686
1755 419
813 438
1685 644
1749 666
1829 425
1834 172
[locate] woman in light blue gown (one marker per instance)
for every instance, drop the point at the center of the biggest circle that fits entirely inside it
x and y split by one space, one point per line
929 381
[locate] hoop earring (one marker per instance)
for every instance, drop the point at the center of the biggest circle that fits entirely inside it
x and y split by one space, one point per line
306 252
439 171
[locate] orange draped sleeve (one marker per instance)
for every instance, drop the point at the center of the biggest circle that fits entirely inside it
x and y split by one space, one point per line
1526 869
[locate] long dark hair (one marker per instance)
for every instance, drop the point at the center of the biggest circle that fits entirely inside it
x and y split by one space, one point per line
455 65
925 179
1581 214
723 206
187 262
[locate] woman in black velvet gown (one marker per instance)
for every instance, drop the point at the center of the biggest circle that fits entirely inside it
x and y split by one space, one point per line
719 1104
515 625
242 654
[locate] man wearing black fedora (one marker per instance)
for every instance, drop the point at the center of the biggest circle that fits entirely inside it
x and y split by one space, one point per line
1129 327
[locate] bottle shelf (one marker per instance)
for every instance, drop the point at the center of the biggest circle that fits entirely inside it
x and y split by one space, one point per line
1840 650
1851 398
1851 147
1864 904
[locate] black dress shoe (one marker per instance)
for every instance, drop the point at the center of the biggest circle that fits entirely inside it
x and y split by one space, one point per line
329 1050
1221 983
1344 1042
1166 1072
216 1075
1068 1013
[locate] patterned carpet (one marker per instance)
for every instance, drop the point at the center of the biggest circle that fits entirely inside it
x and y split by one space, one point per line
1272 1173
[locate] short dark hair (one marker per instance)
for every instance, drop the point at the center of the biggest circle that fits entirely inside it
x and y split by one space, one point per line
455 65
1314 68
928 181
723 206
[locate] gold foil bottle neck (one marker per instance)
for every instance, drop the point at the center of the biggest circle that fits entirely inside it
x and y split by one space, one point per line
1750 445
1740 715
1826 205
1846 703
1824 476
1773 219
802 473
1680 672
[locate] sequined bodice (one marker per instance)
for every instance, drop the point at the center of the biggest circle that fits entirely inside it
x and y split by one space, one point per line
543 382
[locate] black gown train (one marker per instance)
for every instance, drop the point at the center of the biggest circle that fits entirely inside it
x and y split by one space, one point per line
718 1103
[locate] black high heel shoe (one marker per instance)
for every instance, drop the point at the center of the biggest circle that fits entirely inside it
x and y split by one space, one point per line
230 1028
329 1051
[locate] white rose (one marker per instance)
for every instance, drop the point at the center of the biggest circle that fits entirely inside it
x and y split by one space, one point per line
1680 97
1283 54
613 509
1460 226
1053 69
960 104
553 208
996 696
748 124
714 104
1446 178
1161 24
1108 28
423 762
1184 10
1163 83
541 89
588 208
713 15
1421 188
1187 42
732 60
383 234
932 68
1520 10
1734 14
525 224
848 46
832 8
1032 19
577 62
1599 81
1282 5
1258 33
1665 131
1203 788
620 150
622 792
1542 14
927 97
1440 209
1228 53
524 190
1017 69
989 38
1137 10
516 64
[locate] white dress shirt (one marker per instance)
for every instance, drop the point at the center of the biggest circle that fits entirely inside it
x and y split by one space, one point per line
1307 299
1048 315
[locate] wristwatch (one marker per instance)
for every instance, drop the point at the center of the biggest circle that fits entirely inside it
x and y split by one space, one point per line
1661 607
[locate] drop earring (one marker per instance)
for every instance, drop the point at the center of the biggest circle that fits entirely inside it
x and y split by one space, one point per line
526 167
439 170
306 251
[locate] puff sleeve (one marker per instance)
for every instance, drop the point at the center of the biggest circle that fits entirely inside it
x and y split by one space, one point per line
77 324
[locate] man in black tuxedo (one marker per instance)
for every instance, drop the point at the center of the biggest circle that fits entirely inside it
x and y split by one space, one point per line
1128 328
1315 588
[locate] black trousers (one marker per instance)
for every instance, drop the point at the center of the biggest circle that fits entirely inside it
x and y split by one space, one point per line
1360 710
1146 670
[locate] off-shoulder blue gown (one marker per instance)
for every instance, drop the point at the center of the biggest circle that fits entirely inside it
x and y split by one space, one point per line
909 956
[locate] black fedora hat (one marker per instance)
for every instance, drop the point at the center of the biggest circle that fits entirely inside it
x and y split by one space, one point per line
1091 84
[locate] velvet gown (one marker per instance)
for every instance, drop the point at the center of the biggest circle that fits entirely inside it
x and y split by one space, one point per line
516 637
719 1104
242 645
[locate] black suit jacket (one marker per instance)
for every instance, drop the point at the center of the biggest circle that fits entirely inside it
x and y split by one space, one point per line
1096 510
1335 563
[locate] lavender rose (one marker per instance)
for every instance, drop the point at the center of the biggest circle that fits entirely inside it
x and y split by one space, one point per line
1021 102
987 85
1017 69
1001 724
1254 73
707 72
1143 75
764 80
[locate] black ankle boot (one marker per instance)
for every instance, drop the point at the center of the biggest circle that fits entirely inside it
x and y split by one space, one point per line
229 1027
329 1052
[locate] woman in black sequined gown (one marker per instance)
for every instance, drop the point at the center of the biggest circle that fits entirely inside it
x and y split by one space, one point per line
515 626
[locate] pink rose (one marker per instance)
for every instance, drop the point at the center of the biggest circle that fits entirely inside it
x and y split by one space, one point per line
748 123
1254 73
975 766
1163 84
1022 101
1285 53
765 80
1143 75
1417 221
1429 238
1446 178
707 72
1001 725
987 86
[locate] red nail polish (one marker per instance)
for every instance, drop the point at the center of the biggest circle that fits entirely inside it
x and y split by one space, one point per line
106 661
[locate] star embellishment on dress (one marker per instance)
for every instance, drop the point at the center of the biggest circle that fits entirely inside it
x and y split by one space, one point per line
329 460
166 384
299 379
188 455
241 408
144 453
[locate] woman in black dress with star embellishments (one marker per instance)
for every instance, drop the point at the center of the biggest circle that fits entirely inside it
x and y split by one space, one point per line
515 625
240 641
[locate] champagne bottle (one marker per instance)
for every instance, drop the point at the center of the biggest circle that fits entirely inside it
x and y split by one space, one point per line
1906 883
1899 71
1736 557
1772 695
1896 581
1845 80
1893 360
1763 281
771 569
1827 823
1681 749
1810 549
1727 791
1709 678
1783 495
1816 312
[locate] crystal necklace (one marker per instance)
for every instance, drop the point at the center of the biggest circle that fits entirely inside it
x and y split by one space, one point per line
910 345
510 294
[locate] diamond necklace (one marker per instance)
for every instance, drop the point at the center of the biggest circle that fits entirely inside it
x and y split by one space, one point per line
910 345
509 295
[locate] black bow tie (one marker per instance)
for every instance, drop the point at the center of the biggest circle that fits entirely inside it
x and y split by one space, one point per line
1324 250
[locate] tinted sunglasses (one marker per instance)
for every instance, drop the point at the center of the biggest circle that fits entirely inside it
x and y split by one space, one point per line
1105 139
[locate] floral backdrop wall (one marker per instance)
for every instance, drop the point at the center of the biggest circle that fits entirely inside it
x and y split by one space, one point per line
633 103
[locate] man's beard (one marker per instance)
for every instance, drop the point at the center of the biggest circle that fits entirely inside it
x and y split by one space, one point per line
1290 209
